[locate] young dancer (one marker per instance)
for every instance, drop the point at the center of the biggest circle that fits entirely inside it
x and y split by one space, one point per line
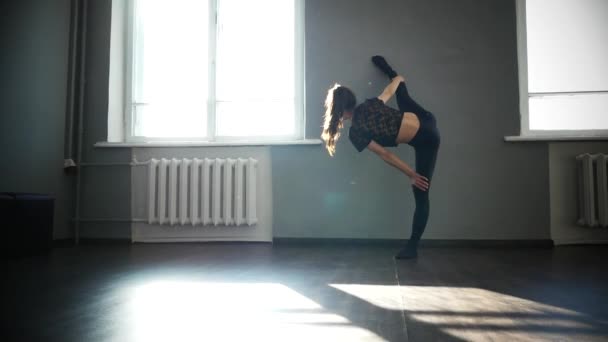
376 125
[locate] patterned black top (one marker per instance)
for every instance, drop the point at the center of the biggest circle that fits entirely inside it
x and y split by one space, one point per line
373 120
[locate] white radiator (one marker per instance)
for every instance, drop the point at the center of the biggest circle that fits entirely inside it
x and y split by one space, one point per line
592 190
202 191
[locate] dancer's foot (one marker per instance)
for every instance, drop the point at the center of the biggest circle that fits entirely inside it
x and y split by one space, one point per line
381 63
410 251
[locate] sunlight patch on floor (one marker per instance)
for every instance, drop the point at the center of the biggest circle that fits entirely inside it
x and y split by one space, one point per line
197 311
477 314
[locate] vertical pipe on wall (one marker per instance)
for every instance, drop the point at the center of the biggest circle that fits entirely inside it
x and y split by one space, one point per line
68 149
81 83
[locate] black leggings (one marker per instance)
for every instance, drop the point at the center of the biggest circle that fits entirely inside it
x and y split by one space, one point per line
426 145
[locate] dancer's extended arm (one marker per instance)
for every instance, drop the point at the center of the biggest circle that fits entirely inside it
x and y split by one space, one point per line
392 159
390 89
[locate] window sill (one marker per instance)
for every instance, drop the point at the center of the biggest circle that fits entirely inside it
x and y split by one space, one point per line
104 144
533 138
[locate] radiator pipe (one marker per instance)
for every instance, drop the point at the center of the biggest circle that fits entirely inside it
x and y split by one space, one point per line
81 87
68 152
133 163
116 220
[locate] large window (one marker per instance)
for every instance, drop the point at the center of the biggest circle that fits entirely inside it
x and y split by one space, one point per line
215 70
563 59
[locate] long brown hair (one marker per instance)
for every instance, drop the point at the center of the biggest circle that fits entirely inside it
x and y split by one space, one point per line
339 99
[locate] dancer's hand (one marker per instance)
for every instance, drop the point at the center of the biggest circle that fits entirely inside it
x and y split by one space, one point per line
398 79
419 181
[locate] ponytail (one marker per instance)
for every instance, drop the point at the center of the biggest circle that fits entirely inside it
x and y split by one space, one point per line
339 99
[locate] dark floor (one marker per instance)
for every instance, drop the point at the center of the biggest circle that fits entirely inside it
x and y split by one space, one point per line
256 292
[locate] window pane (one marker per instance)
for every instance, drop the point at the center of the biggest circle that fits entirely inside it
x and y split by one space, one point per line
567 45
255 118
170 68
256 68
576 112
167 120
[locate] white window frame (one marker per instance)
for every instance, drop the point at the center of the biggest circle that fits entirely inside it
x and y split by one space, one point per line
524 95
299 62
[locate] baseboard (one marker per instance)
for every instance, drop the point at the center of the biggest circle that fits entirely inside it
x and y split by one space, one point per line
338 241
570 242
544 243
122 241
62 243
208 242
143 232
199 240
66 243
541 243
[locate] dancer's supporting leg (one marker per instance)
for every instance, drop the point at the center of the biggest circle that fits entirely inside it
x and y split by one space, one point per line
426 156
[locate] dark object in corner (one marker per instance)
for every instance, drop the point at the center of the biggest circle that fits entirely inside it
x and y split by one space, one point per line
27 223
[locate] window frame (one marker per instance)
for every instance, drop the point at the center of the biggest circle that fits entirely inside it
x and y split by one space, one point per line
525 95
129 84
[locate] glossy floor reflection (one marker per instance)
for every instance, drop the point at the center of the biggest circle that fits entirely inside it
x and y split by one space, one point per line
257 292
199 311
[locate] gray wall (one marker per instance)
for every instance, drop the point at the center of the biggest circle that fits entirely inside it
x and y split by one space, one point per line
34 38
105 190
460 60
564 194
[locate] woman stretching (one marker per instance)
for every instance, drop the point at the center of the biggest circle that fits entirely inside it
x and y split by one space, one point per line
375 126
